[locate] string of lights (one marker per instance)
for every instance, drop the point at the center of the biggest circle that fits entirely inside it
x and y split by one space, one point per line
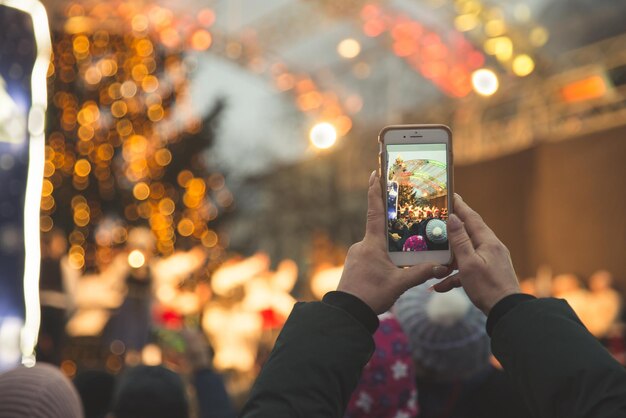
117 74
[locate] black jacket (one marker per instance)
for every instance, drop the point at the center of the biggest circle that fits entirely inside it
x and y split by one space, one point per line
558 367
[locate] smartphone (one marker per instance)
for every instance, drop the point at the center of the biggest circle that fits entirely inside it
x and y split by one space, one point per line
416 171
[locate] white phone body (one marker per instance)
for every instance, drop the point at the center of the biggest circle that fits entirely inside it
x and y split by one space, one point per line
416 175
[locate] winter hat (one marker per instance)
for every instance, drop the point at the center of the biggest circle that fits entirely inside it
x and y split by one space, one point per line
415 243
41 391
95 388
150 392
387 387
446 332
436 231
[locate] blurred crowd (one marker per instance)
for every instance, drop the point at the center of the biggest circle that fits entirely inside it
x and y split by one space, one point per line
198 348
418 228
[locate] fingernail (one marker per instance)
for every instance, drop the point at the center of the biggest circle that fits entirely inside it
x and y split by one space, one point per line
440 271
372 177
454 222
458 196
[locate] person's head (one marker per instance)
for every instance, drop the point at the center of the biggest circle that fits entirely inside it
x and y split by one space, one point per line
96 390
150 392
387 388
600 280
446 333
565 284
38 392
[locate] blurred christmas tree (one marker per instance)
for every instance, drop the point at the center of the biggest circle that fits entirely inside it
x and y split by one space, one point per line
116 154
397 168
407 195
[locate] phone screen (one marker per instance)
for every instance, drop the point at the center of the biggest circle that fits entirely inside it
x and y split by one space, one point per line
417 197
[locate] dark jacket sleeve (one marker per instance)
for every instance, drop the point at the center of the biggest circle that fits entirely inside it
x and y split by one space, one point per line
559 368
314 367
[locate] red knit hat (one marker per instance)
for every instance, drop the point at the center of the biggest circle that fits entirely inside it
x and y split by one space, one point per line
387 387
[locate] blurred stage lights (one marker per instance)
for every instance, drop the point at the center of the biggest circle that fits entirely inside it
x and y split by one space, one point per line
485 82
349 48
323 135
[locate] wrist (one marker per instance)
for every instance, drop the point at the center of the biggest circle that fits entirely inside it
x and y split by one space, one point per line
354 306
503 306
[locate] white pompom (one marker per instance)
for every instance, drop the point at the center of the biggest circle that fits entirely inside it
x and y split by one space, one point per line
447 308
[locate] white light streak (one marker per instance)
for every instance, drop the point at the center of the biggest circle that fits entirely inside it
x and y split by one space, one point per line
34 181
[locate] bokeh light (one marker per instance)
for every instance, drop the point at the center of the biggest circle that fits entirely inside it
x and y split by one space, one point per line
349 48
323 135
523 65
485 82
136 259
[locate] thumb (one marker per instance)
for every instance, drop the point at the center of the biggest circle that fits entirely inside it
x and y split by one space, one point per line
375 227
460 241
448 284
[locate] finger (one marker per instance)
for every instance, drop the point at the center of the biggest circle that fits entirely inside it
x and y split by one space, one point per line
448 284
460 241
477 229
375 227
418 274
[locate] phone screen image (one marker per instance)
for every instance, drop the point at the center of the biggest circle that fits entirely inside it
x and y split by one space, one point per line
417 197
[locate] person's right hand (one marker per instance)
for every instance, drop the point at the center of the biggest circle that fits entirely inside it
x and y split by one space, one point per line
485 269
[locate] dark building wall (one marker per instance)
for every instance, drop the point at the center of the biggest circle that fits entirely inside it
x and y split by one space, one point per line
560 204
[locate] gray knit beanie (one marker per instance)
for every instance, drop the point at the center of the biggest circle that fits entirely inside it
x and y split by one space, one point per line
38 392
446 332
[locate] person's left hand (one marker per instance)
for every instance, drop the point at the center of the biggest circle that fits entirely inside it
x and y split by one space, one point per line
368 273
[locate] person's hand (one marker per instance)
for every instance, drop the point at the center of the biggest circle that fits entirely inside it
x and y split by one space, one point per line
368 273
485 269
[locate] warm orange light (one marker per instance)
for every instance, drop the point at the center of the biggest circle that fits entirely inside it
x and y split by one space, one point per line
170 37
201 40
144 48
185 227
184 177
209 239
163 157
166 206
141 191
47 188
82 168
585 89
150 84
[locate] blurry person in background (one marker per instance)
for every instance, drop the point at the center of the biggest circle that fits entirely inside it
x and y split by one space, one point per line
606 304
55 290
568 287
387 386
131 322
450 347
211 395
95 388
150 392
41 391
